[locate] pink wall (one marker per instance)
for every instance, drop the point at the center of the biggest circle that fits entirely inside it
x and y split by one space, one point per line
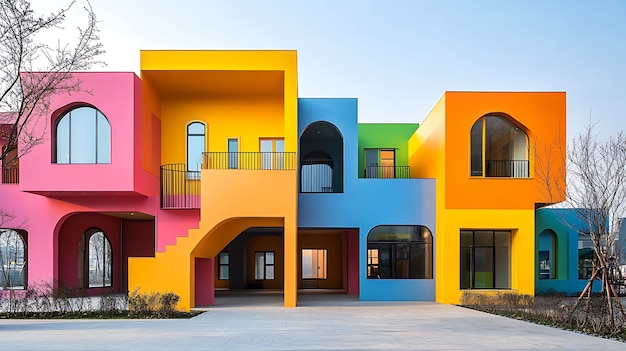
353 261
204 278
175 223
113 93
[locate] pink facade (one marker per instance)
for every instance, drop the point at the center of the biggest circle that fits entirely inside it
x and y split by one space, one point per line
55 204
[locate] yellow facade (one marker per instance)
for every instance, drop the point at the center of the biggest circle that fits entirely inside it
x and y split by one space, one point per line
242 95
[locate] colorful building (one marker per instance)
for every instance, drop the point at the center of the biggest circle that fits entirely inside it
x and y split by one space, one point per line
209 172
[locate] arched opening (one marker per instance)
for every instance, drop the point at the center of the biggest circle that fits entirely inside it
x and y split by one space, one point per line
321 160
98 259
82 135
196 140
92 249
400 252
547 254
13 267
499 148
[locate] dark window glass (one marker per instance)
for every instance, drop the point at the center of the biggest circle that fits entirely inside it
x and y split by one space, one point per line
485 259
400 252
499 148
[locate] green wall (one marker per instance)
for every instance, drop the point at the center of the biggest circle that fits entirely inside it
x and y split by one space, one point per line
385 136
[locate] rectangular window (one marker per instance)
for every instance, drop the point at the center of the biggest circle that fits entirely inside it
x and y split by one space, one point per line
223 266
485 259
476 140
272 153
544 265
380 163
372 263
586 255
314 264
233 153
264 265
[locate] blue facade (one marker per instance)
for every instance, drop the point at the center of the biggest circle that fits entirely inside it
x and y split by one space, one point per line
366 203
563 226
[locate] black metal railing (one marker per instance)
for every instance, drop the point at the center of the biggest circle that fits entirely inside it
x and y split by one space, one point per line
316 176
10 175
398 172
507 168
180 187
249 160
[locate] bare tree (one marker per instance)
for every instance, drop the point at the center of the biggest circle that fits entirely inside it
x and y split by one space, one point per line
596 193
32 71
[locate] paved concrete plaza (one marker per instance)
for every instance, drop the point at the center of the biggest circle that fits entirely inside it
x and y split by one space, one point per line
322 322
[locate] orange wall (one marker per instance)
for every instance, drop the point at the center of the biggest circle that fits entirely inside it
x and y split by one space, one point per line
268 243
543 117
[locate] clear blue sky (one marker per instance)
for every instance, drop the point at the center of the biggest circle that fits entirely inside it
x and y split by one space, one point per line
398 57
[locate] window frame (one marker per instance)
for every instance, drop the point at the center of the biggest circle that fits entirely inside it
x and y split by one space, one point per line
273 159
194 172
90 233
23 272
381 171
233 156
406 254
220 265
323 266
479 148
265 265
472 259
97 129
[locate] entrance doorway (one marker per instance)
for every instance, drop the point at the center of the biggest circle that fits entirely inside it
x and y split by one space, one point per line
314 267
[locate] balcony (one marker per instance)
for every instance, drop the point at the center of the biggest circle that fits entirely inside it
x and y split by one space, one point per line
398 172
507 168
180 188
249 160
316 176
10 175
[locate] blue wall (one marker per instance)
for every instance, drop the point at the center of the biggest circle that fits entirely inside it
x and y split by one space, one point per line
366 203
565 224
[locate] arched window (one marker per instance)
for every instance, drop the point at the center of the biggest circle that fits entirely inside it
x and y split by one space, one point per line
99 259
321 164
83 135
12 260
547 254
195 145
499 148
400 252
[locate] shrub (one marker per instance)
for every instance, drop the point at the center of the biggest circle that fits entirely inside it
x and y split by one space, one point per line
591 316
158 304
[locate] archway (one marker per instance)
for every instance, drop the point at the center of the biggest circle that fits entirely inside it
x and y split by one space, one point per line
321 159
